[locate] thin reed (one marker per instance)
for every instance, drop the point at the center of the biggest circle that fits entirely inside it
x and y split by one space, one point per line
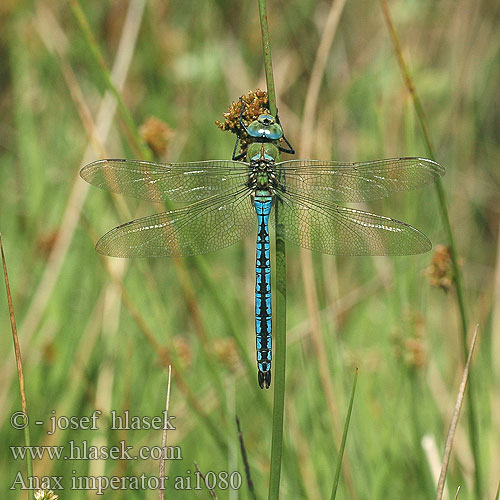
19 422
279 364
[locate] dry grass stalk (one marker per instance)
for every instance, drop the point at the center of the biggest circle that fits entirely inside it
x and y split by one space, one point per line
454 419
161 491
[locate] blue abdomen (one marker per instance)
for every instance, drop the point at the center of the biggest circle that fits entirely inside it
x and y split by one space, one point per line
263 313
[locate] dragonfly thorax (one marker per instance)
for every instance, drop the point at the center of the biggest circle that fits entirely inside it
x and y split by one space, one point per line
263 175
261 150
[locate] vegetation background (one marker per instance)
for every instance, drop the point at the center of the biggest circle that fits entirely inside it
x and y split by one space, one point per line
99 334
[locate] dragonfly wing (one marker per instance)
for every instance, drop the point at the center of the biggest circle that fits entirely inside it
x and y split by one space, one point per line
336 230
356 182
203 227
177 182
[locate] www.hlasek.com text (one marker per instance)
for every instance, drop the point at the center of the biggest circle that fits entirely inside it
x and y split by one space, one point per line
84 451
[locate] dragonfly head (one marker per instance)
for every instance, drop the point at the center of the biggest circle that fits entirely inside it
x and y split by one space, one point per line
265 127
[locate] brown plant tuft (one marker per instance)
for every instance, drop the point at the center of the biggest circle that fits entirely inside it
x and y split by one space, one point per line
156 134
256 103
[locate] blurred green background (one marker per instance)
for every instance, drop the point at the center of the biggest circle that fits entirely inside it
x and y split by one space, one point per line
98 334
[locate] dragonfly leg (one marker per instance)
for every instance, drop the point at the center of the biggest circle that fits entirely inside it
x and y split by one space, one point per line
236 156
263 312
290 149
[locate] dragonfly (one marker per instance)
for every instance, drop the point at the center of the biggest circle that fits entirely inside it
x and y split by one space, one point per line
222 201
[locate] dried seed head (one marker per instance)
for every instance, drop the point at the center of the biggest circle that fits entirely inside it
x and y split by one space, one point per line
415 353
256 104
226 351
183 350
440 272
412 349
156 134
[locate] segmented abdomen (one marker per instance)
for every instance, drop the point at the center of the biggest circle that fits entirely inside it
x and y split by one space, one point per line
263 313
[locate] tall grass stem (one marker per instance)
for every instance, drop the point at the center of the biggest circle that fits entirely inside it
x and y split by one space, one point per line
244 457
454 420
280 294
419 110
161 472
20 374
344 438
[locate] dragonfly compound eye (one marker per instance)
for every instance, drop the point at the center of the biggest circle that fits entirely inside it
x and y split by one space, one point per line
265 126
266 120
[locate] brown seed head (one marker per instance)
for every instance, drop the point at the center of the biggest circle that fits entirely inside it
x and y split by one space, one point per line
440 272
412 349
156 134
183 350
256 104
226 351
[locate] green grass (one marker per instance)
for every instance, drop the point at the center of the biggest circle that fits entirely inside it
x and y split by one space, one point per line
85 348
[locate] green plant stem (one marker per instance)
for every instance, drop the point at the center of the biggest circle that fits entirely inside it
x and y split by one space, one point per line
280 294
344 438
419 110
279 366
268 63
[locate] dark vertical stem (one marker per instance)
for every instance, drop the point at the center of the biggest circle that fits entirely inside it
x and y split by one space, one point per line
419 110
244 456
280 293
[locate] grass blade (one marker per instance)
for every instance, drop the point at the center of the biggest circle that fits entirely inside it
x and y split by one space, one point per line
454 420
210 490
20 374
268 62
161 491
280 302
245 460
344 438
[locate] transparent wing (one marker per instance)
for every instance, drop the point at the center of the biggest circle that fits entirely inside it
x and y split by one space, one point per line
203 227
178 182
355 182
336 230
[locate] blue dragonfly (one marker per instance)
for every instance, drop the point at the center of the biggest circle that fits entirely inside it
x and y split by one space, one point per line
227 199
